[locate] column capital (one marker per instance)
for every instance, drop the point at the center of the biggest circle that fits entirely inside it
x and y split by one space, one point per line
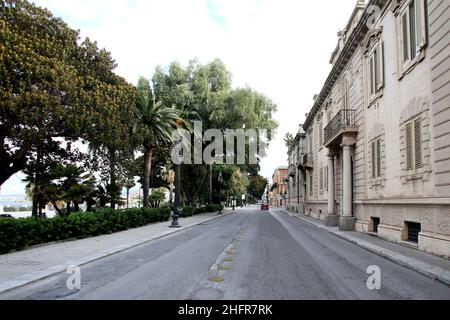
346 146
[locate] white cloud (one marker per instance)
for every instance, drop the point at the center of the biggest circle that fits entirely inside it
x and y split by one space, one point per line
278 47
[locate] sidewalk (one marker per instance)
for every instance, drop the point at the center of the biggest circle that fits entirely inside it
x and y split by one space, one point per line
429 265
24 267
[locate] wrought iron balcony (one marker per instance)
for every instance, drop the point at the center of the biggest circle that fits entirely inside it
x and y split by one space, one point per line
343 122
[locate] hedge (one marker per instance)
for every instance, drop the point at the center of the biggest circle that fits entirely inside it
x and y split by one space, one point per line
190 211
17 234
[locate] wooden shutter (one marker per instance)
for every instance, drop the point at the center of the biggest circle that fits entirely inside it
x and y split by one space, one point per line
378 158
418 144
409 147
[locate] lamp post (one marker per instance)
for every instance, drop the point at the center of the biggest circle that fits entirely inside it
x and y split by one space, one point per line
176 212
233 201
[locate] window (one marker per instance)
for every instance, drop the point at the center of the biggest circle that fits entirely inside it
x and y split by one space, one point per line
311 185
321 134
326 178
412 30
376 159
345 95
322 175
376 69
414 152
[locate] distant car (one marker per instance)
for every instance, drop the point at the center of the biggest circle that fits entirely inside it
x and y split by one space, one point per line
265 206
6 216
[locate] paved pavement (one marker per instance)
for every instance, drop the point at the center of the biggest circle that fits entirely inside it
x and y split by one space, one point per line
23 267
246 255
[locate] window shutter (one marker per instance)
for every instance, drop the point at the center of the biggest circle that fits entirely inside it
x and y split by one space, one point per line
321 178
378 158
409 147
418 143
374 157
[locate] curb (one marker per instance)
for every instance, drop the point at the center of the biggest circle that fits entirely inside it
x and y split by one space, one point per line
30 278
428 270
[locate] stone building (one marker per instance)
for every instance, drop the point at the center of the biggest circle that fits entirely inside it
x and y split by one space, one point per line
376 143
279 188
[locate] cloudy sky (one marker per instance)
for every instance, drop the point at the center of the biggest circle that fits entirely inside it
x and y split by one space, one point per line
278 47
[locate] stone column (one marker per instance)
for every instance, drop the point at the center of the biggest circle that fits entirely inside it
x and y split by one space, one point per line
347 222
331 219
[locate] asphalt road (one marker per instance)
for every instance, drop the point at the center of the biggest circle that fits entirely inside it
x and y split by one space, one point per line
246 255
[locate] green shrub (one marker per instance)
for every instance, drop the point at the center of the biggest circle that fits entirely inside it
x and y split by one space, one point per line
17 234
187 212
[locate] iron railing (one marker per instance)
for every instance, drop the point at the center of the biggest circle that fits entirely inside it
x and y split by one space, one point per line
344 119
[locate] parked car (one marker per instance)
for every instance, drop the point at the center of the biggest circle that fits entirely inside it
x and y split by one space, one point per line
265 206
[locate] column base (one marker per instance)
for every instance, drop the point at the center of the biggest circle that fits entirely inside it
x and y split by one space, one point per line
347 223
331 220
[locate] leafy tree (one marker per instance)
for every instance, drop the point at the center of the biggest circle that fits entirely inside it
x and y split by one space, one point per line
204 93
155 123
156 198
289 139
257 186
54 87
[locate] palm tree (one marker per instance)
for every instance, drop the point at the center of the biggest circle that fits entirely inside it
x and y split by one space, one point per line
156 123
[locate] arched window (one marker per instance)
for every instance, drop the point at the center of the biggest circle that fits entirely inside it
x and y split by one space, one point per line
345 95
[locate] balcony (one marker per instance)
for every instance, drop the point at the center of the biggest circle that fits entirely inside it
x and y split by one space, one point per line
305 162
344 124
292 172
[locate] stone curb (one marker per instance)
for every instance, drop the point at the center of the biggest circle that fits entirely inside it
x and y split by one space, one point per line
51 271
423 268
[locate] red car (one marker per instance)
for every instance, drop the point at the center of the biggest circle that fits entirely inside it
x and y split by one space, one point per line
265 206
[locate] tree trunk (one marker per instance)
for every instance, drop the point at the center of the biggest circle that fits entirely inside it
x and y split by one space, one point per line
34 210
210 183
128 198
56 208
76 206
147 171
113 181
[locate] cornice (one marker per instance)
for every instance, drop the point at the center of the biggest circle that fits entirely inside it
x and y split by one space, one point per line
355 39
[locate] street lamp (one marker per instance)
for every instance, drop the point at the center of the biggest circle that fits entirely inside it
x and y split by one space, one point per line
176 212
233 202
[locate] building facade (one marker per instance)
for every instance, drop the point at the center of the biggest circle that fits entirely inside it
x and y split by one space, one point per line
279 188
376 143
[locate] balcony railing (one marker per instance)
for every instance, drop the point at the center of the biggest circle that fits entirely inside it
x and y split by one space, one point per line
344 119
